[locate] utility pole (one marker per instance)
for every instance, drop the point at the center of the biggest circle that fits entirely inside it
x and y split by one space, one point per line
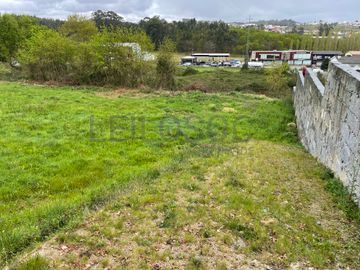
247 44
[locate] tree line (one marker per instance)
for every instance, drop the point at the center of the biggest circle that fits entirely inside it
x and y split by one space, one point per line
84 50
192 35
189 35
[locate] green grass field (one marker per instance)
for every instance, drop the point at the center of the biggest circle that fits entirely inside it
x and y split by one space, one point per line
52 171
229 79
218 177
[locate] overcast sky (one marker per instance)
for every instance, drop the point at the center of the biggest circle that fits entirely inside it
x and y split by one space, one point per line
226 10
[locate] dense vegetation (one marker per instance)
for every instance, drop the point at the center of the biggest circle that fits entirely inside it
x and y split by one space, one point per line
188 35
92 51
80 52
275 82
86 57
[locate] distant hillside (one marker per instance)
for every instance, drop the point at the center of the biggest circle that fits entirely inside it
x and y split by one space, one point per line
285 22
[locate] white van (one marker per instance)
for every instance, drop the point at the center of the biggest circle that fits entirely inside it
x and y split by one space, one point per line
255 65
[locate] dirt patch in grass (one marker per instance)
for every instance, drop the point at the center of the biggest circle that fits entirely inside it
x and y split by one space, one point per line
118 93
261 205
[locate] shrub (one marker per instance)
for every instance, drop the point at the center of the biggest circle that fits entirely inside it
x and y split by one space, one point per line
46 55
166 66
85 65
78 28
277 77
5 70
116 64
256 87
292 80
35 263
197 86
190 71
102 60
325 64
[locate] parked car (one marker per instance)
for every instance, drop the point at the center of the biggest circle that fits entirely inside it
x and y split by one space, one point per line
187 64
236 63
215 64
256 65
204 65
226 63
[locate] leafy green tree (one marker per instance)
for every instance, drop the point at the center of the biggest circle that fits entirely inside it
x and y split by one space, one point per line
10 36
14 30
53 24
325 29
107 20
47 55
78 28
301 30
156 29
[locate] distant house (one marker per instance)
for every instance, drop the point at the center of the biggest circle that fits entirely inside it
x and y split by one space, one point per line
267 56
276 28
135 47
294 57
319 56
353 53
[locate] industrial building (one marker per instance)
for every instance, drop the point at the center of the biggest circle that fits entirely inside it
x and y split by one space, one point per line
319 56
267 56
294 57
297 57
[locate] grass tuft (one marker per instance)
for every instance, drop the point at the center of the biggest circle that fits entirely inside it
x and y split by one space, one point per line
241 230
341 196
169 220
195 264
35 263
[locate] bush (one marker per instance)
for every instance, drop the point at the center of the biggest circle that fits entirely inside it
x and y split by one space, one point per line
166 66
277 77
78 28
292 79
197 86
113 63
325 64
46 55
190 71
103 60
35 263
5 70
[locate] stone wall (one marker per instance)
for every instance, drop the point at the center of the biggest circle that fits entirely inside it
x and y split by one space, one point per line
328 120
